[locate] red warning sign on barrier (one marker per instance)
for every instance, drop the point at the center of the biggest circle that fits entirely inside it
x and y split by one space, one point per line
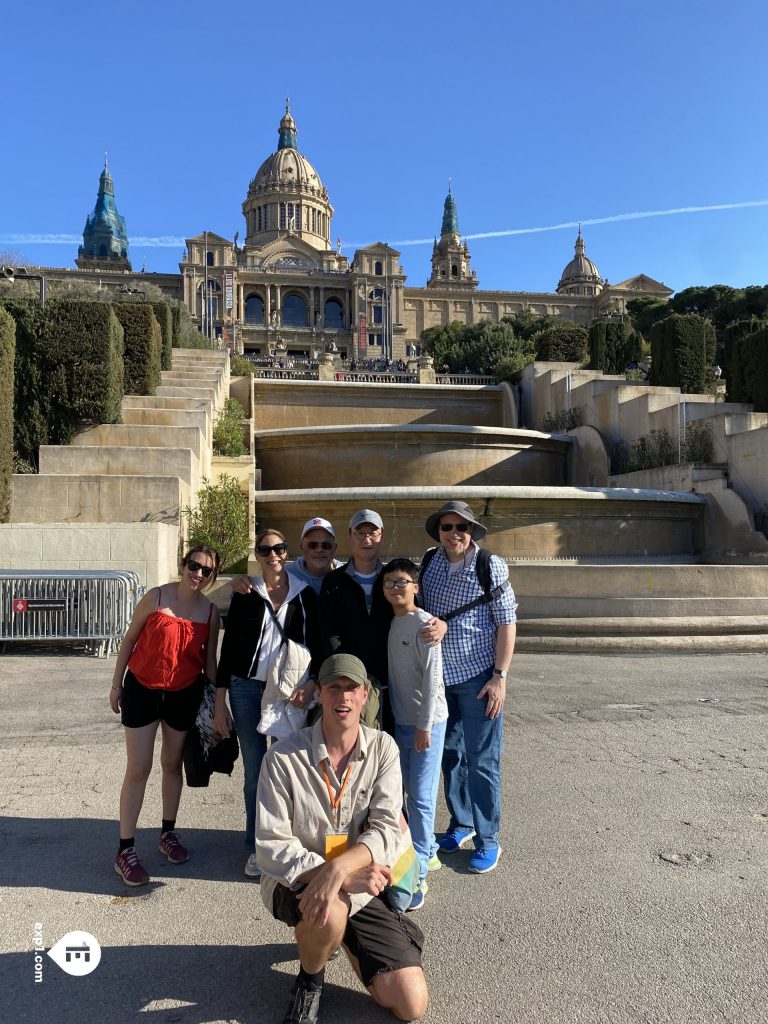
19 605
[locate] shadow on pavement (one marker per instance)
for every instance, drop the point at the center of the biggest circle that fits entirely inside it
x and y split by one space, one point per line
77 855
243 984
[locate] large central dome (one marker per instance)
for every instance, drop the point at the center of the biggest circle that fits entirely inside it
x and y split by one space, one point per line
287 195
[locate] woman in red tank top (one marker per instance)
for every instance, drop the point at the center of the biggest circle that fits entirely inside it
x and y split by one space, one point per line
169 649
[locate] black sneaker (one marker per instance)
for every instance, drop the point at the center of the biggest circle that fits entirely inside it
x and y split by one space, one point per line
304 1006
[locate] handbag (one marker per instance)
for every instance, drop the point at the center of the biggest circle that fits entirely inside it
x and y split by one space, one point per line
288 670
204 751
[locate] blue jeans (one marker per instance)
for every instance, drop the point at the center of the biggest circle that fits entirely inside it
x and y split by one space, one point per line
245 701
471 757
421 776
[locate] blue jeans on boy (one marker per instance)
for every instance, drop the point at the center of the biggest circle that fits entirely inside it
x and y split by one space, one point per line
245 701
421 777
471 762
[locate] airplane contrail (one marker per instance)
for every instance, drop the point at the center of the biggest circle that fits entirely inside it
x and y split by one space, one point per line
140 241
614 219
174 241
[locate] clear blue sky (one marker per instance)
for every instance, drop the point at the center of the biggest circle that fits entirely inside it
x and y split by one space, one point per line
541 114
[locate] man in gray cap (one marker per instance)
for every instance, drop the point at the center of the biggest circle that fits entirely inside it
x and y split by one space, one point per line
327 833
354 612
469 590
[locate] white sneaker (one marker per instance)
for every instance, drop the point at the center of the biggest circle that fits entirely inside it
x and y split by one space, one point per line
252 868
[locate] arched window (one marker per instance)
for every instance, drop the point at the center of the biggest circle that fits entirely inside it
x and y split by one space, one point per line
294 311
377 268
209 258
254 310
334 316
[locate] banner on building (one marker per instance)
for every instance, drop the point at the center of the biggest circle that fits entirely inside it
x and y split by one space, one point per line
228 290
362 340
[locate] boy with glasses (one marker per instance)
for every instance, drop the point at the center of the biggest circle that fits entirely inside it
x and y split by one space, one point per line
417 698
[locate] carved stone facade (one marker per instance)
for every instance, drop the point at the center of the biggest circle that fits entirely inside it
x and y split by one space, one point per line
288 288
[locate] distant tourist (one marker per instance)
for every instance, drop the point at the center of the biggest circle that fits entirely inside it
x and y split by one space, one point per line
169 649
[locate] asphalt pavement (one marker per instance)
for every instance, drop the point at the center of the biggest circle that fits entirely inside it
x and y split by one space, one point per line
631 890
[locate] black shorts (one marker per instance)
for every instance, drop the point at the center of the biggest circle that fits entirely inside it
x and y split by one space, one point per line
380 939
177 708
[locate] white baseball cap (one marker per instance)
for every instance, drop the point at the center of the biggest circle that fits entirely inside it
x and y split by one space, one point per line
317 524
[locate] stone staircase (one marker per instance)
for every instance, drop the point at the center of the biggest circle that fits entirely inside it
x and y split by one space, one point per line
144 470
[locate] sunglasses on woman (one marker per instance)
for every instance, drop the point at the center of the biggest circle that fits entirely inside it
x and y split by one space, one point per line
458 527
193 566
313 545
265 550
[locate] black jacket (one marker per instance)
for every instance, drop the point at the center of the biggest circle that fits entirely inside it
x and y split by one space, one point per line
348 626
243 631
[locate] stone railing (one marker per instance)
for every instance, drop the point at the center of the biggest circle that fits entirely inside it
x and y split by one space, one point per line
465 378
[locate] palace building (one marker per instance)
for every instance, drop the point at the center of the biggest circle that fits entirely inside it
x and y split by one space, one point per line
288 284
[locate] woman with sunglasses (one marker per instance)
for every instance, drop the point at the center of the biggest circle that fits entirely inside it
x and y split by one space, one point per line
168 650
278 604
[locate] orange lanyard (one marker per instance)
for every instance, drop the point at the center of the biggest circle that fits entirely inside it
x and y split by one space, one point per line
335 801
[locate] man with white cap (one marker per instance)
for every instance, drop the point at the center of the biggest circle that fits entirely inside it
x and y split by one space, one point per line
318 548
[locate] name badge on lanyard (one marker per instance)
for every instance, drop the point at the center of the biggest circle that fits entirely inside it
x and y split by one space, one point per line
336 842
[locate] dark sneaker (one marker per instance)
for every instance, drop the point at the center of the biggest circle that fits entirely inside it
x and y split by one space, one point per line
454 839
482 861
304 1006
417 900
172 848
130 868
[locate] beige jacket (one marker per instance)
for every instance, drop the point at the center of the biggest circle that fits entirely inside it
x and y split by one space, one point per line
294 814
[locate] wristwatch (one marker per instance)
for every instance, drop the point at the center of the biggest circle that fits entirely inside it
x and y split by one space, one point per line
500 672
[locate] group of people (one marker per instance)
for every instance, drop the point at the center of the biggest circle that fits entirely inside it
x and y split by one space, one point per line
406 674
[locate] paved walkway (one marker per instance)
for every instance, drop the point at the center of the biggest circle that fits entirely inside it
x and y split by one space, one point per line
632 886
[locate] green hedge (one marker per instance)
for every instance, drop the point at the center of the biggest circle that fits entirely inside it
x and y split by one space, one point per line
142 347
683 353
728 338
749 370
30 428
83 347
176 325
7 359
163 316
613 345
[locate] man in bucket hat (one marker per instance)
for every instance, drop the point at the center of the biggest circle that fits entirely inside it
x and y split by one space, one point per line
469 590
327 832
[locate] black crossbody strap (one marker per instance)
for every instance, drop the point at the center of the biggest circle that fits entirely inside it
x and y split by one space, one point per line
483 599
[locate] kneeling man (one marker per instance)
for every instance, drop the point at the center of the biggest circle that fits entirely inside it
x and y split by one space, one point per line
328 828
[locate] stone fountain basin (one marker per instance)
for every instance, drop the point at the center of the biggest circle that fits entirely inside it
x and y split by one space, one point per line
403 455
522 522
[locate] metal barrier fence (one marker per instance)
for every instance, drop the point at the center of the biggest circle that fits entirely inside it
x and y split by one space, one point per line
86 606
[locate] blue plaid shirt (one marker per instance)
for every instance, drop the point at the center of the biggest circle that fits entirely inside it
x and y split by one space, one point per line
469 647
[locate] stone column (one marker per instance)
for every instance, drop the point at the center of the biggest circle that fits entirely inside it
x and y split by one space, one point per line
427 370
326 368
322 307
311 307
267 304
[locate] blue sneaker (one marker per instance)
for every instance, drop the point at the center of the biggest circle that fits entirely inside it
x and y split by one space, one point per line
454 839
482 861
417 900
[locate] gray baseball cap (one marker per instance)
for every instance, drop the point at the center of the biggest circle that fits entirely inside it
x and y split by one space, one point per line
366 515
